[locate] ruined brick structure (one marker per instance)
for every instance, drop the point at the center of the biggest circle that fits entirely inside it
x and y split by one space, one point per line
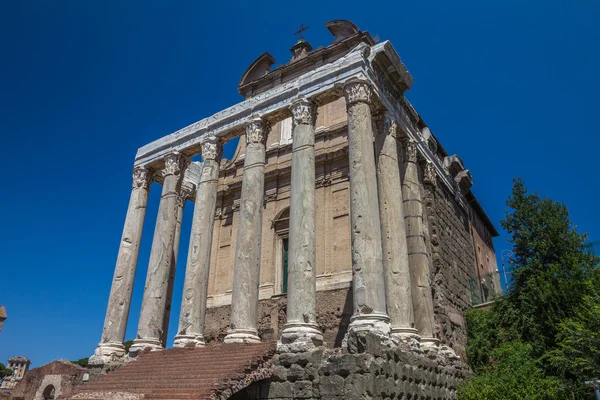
340 229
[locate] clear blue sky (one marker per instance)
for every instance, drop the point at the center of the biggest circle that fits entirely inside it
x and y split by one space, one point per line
512 88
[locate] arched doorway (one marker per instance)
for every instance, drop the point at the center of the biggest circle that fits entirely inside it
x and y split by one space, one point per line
49 393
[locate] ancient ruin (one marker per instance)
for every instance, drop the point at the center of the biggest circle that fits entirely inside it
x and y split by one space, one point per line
19 366
341 229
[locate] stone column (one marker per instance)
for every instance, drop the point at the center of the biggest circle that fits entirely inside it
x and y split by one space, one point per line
301 333
187 188
162 258
367 264
111 346
195 289
417 251
393 233
246 270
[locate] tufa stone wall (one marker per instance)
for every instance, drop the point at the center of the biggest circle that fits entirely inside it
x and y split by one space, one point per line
369 370
451 247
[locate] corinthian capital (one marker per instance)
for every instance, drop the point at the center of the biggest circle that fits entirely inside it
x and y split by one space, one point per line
212 149
256 131
142 178
303 112
411 150
357 91
175 163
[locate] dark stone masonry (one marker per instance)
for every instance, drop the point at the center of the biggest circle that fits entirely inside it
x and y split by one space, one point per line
369 369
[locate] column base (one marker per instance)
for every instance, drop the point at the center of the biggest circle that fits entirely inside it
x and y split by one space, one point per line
405 335
109 352
189 341
299 337
144 344
377 323
242 336
430 346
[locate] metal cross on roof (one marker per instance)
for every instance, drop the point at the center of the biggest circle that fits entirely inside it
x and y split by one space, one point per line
300 30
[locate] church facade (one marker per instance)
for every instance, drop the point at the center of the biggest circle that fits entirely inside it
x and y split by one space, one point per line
339 214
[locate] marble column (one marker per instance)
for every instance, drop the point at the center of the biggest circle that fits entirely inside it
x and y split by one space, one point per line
301 332
246 270
367 263
195 289
393 232
187 188
111 346
417 251
162 258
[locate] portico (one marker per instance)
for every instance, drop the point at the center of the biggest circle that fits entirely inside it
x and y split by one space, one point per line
388 256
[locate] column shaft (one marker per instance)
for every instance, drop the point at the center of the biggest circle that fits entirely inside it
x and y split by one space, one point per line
417 251
301 332
367 264
246 270
195 290
393 233
111 346
186 190
162 258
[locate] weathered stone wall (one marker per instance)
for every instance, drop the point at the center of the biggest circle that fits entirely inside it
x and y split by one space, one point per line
452 259
62 375
373 371
334 312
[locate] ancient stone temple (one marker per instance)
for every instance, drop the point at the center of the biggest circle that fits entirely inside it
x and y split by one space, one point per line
330 257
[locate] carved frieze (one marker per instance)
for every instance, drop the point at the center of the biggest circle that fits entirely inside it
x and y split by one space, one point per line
257 131
304 112
142 178
357 91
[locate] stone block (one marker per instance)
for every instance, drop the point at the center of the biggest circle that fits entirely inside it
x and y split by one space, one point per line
287 359
332 385
303 390
363 362
313 357
357 384
279 373
347 365
295 373
281 390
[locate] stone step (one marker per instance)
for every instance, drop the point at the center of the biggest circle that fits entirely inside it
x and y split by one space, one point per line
182 373
144 387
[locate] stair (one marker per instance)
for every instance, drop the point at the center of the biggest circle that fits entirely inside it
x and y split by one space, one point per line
180 373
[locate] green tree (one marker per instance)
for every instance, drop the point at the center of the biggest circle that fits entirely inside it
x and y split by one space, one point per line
513 375
82 362
4 372
552 307
551 270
